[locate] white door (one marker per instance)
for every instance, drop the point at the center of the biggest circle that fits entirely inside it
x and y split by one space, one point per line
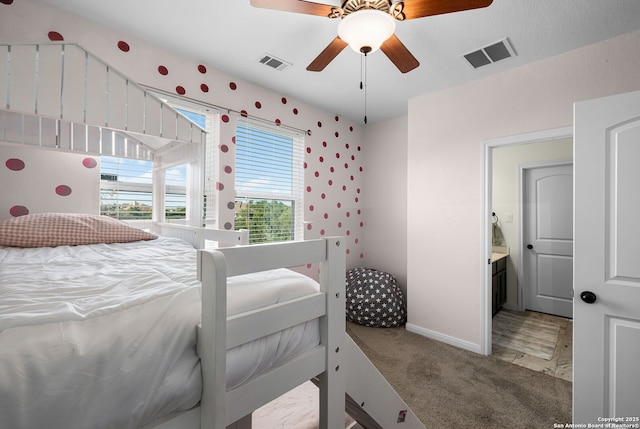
548 239
606 340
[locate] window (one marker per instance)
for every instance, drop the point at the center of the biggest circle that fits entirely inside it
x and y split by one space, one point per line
126 186
269 182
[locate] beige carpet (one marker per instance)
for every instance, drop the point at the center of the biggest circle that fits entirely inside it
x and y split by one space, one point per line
519 331
445 386
448 387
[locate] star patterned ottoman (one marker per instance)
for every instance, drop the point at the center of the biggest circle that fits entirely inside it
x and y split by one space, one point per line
374 299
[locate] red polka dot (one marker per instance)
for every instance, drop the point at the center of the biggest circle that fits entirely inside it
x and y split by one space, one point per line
344 187
356 240
233 139
123 46
6 1
308 149
284 100
311 208
228 169
324 144
337 134
330 182
358 148
180 90
163 70
308 188
54 36
244 113
337 155
321 159
219 186
332 169
204 87
346 165
233 86
295 111
351 129
317 174
337 118
348 233
348 251
63 190
319 124
339 205
323 196
348 214
326 215
14 164
258 105
16 211
202 69
225 118
309 226
308 132
322 232
224 148
339 224
89 163
277 121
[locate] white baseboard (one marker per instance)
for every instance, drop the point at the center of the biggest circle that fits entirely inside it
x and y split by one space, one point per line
456 342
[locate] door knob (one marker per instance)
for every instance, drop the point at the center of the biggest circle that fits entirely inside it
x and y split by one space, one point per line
529 246
588 297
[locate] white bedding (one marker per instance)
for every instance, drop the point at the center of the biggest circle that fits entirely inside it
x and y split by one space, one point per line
103 336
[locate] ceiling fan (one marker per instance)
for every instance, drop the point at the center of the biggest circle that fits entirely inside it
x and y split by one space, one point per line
367 25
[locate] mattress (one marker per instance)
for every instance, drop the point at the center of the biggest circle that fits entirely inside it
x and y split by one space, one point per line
103 335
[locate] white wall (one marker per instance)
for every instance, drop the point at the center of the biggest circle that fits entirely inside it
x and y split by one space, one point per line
384 185
506 195
445 133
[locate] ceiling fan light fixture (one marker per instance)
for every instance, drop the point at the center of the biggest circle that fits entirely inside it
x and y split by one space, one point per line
366 28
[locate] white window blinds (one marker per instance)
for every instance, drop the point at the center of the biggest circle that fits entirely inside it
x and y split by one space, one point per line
269 181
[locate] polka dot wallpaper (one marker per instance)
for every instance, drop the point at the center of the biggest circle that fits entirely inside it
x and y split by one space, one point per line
333 145
36 181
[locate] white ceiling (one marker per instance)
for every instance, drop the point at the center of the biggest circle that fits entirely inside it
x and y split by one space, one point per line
232 35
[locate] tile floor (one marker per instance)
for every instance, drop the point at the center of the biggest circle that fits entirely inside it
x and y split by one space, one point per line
560 365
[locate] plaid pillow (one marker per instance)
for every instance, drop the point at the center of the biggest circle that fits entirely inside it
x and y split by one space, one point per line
66 229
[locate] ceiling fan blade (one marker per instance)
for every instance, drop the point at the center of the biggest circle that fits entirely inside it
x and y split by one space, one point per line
297 6
399 54
327 55
420 8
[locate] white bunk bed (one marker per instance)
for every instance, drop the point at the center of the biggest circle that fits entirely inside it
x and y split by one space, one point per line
34 355
71 110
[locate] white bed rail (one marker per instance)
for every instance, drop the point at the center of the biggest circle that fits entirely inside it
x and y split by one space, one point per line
195 235
56 94
219 407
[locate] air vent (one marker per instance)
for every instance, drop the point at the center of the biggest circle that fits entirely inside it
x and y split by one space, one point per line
489 54
274 62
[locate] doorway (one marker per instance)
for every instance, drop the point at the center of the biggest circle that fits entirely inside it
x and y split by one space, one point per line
501 196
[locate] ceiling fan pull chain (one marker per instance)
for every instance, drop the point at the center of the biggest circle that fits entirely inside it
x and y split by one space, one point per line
363 82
